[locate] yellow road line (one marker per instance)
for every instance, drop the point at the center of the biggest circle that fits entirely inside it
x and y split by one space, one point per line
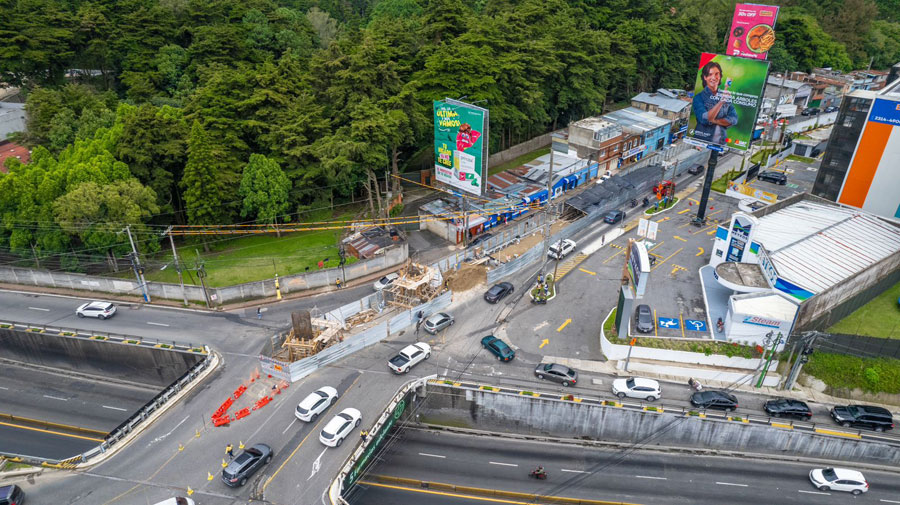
681 319
838 433
531 497
564 324
685 210
588 271
782 425
49 423
42 430
660 263
620 251
676 237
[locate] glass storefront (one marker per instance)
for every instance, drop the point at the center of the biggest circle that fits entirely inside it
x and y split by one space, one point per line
841 146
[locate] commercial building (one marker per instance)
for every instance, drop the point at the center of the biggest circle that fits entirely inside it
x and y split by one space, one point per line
784 91
667 105
861 165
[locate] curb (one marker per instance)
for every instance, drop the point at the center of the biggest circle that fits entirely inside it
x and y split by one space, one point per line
21 473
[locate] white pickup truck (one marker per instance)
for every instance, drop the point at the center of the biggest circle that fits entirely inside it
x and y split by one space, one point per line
561 249
409 357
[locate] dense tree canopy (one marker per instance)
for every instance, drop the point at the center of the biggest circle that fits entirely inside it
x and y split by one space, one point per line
175 99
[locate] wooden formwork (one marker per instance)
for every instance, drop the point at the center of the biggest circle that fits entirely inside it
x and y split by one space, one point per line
325 333
417 284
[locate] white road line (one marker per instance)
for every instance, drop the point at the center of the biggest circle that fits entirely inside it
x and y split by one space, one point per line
157 324
502 464
289 426
888 501
572 471
56 398
1 387
649 477
815 492
431 455
114 408
731 484
39 308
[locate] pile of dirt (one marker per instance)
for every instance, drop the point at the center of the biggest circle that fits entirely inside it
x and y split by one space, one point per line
512 251
467 277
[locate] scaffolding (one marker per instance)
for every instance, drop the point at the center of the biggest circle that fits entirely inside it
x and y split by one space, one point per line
308 336
417 284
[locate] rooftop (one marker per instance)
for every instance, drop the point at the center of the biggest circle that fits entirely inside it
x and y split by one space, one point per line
636 119
818 245
13 150
664 100
594 123
775 80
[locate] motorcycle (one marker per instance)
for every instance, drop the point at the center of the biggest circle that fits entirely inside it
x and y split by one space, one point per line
634 202
539 476
694 384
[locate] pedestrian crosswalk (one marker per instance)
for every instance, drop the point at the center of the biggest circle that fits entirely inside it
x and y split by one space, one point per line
569 265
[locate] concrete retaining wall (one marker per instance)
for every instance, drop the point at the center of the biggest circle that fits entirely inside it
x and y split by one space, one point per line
147 365
510 413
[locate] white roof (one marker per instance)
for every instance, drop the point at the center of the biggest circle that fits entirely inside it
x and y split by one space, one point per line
817 246
765 305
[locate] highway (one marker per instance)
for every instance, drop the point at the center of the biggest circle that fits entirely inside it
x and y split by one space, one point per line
618 475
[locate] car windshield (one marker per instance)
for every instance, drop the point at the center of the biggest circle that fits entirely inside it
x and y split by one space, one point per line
853 411
495 290
630 383
243 458
829 474
385 280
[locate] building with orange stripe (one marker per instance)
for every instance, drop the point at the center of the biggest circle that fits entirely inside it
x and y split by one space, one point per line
861 166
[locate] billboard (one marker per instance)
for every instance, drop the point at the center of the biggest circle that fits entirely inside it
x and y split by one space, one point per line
460 145
752 31
637 267
727 96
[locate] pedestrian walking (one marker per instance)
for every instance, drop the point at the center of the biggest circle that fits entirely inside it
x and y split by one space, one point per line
338 282
363 435
229 450
258 313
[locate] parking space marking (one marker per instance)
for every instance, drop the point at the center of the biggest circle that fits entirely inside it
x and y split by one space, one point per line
660 263
676 237
699 251
588 271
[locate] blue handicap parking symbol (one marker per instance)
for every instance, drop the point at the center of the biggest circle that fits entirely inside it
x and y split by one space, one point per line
669 322
695 324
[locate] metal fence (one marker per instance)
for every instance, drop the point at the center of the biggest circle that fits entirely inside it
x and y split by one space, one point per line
860 346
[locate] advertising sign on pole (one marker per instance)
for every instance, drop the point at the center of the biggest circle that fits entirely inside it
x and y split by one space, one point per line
727 96
460 144
752 31
637 267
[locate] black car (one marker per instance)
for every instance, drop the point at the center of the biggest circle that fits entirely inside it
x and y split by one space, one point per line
696 169
774 177
714 400
479 239
812 111
498 348
498 291
246 464
11 495
876 418
831 109
614 216
556 373
643 319
784 407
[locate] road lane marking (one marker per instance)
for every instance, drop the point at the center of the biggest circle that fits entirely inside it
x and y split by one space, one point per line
731 484
157 324
56 398
1 387
502 464
39 308
431 455
813 492
114 408
588 271
52 432
649 477
543 343
564 325
572 471
888 501
289 426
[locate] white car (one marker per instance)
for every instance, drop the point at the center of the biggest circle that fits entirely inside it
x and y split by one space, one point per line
561 249
334 433
385 281
316 403
178 500
100 310
637 387
838 479
409 357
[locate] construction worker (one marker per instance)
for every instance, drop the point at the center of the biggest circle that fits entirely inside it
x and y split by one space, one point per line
338 282
229 450
363 435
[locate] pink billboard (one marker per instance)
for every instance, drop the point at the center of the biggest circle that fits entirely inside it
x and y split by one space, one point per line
752 31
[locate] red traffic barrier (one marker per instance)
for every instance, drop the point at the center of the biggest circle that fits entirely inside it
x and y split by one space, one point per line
224 407
219 421
239 391
262 402
242 413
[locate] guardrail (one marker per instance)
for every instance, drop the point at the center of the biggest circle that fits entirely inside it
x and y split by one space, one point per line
108 337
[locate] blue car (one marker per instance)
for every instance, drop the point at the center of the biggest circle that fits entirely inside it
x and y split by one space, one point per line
498 347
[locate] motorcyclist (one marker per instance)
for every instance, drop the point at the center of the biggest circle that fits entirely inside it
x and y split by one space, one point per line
540 473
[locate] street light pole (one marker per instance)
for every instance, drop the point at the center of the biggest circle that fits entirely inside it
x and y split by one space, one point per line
177 265
136 265
547 215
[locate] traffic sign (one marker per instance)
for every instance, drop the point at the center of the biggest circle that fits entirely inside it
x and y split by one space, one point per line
695 324
669 322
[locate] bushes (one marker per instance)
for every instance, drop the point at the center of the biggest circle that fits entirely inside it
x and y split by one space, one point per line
708 348
874 375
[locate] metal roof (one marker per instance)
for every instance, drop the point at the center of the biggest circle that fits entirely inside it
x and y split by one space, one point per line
662 101
636 119
817 246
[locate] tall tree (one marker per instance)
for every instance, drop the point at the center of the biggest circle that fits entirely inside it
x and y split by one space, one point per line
203 191
264 190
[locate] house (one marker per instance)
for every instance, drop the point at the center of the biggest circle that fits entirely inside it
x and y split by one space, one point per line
10 149
787 91
653 133
676 107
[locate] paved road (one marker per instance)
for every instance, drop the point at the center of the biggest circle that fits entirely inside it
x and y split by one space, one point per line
620 475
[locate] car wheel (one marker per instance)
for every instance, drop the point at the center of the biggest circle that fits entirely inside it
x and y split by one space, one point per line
80 315
333 400
357 422
313 418
101 316
824 488
621 395
776 415
427 355
565 383
243 481
499 358
651 398
731 409
268 458
339 442
879 429
540 377
856 492
845 425
451 322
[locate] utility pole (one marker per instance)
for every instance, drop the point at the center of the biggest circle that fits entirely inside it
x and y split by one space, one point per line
136 265
775 112
762 376
177 265
809 340
465 222
547 216
201 273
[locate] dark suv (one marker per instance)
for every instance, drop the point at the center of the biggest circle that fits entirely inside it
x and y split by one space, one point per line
246 464
714 400
876 418
773 177
11 495
786 407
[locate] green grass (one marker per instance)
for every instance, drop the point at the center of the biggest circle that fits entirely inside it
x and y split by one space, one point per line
518 161
721 184
878 318
257 257
762 155
801 159
550 284
875 375
652 209
803 137
610 323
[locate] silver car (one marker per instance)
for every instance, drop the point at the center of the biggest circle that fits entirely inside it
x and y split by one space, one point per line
438 322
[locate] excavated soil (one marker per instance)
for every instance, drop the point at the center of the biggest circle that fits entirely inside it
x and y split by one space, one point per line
468 277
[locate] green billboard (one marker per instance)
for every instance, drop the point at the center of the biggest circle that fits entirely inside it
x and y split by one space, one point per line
460 145
727 97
